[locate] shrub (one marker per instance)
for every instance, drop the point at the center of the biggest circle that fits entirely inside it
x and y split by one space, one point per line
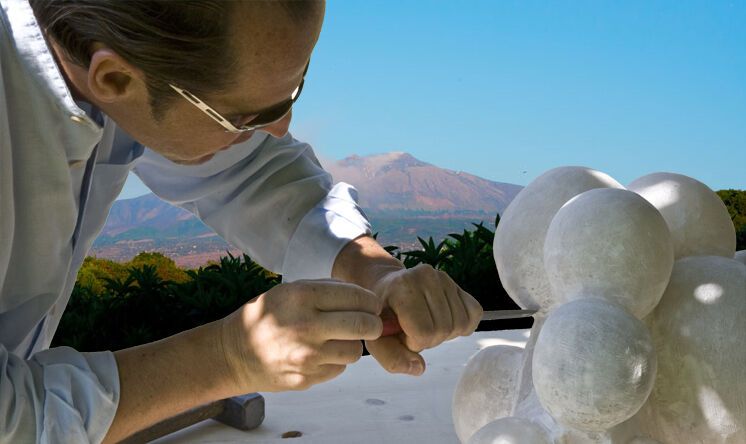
115 306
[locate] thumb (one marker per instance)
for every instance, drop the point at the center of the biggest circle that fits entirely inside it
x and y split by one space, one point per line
395 357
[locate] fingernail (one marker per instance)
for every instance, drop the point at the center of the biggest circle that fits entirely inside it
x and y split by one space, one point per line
415 368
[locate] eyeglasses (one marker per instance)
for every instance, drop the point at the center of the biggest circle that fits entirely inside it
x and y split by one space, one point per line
262 119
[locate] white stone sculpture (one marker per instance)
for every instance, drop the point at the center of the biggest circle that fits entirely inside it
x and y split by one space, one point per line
594 364
699 332
511 431
486 388
698 219
519 238
740 256
611 244
594 259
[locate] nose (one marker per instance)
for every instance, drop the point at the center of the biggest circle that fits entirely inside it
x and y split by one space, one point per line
280 128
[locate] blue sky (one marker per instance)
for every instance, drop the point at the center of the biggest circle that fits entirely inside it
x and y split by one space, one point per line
508 89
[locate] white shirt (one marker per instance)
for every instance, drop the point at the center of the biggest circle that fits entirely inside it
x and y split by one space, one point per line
62 165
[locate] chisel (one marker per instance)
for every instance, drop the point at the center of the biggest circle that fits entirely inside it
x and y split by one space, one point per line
391 324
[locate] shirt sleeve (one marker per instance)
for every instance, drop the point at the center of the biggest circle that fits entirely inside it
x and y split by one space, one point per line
268 197
58 396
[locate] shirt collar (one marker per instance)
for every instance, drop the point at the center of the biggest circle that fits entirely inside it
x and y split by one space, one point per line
78 132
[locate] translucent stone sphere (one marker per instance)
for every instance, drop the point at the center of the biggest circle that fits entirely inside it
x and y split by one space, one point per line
612 244
519 237
511 431
699 332
699 221
593 365
485 389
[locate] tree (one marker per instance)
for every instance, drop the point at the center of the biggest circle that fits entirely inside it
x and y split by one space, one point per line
735 202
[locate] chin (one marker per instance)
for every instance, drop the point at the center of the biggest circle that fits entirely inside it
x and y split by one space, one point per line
197 161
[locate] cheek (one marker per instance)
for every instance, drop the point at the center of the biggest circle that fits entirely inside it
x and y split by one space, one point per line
187 141
186 133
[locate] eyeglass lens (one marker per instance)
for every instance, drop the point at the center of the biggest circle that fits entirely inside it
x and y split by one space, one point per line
273 115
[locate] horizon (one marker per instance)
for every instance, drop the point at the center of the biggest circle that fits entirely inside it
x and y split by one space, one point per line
517 88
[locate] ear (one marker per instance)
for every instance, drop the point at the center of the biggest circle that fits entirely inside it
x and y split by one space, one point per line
111 78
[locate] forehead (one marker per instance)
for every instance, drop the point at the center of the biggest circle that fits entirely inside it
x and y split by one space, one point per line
271 49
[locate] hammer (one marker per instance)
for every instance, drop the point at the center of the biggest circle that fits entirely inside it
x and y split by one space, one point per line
243 412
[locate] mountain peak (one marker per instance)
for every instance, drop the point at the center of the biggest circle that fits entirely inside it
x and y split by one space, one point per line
376 163
398 181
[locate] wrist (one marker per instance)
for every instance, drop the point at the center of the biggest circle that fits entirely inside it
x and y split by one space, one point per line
232 341
365 263
379 277
209 359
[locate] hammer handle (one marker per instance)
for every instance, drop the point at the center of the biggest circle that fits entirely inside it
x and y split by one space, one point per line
175 423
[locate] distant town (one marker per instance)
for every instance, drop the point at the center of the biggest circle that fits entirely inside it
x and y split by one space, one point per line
403 197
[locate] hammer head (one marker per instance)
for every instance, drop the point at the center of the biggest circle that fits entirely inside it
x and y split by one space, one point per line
243 412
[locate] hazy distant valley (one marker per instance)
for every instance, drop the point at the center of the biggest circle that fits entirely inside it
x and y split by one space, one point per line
403 197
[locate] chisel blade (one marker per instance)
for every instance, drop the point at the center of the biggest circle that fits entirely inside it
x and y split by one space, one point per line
496 315
391 324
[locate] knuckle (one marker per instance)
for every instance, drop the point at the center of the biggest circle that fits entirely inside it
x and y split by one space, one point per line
476 311
419 343
467 329
334 371
356 351
302 356
299 382
443 333
351 358
437 340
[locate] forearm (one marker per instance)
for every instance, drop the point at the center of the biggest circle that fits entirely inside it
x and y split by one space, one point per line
363 262
163 378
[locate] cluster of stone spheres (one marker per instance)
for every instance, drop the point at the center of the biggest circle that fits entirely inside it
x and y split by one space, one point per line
640 334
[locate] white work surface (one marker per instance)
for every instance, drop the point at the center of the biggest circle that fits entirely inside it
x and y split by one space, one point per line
365 404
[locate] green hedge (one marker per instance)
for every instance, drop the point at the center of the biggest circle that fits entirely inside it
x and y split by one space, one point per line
114 306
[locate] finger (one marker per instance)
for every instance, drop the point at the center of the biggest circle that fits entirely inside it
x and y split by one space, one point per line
327 372
394 357
348 325
342 296
474 311
458 310
415 320
436 296
305 380
341 352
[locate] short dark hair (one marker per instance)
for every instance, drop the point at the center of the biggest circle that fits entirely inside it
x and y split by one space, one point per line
185 42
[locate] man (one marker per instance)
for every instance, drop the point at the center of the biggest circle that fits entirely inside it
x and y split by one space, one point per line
207 87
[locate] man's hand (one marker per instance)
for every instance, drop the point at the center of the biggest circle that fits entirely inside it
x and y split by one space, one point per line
299 334
430 308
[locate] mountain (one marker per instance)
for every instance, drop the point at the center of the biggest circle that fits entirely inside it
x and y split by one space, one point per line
392 182
147 213
403 197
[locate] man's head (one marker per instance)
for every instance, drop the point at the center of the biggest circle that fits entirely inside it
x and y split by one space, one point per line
240 57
